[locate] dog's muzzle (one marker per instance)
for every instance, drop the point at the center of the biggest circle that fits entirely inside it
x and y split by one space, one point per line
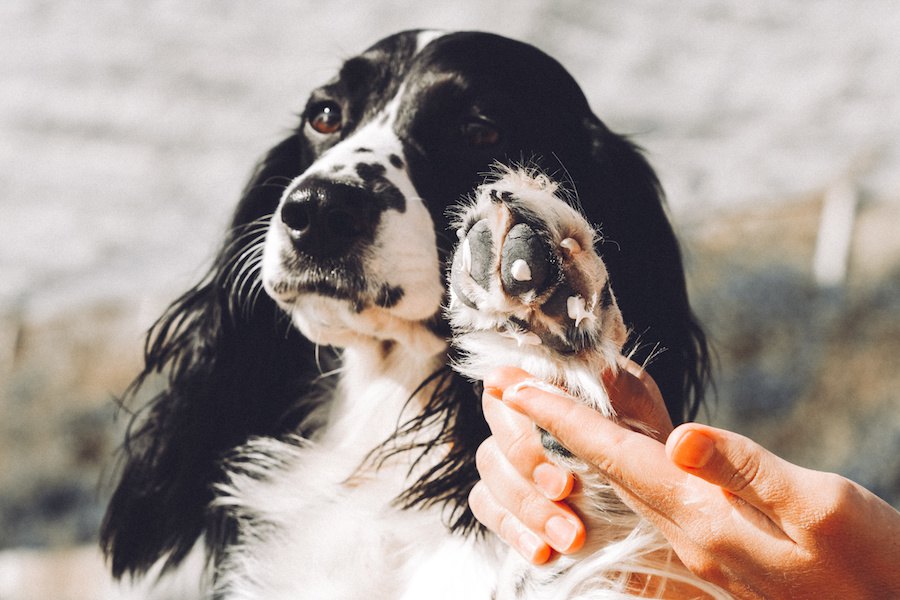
329 219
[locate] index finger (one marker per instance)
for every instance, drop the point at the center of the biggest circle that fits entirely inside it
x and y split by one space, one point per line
633 462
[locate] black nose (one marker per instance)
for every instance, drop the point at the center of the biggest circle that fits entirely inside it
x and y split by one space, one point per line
326 219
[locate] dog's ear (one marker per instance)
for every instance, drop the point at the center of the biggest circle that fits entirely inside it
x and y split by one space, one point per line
620 192
230 366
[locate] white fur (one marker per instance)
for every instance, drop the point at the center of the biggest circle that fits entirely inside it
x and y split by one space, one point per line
317 525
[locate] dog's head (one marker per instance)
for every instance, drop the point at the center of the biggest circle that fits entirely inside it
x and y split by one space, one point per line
405 130
345 224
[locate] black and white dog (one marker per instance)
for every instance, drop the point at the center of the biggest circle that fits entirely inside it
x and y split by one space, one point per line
313 440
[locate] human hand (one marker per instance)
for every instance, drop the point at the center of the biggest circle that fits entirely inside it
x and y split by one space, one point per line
736 514
520 494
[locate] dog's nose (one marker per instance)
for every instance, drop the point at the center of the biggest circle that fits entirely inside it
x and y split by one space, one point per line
328 219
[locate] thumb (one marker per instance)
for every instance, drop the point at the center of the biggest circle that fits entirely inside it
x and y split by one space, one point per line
735 464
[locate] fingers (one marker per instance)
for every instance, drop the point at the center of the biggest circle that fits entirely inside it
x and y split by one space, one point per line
516 438
632 461
739 466
519 487
501 521
503 492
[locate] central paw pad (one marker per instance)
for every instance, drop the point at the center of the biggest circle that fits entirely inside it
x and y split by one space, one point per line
525 261
526 271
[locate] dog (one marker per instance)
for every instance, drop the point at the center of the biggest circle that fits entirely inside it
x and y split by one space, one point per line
313 429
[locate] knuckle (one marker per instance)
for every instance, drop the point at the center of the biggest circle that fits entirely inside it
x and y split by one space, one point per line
486 456
476 496
478 502
604 457
507 527
530 506
704 563
524 448
746 473
832 514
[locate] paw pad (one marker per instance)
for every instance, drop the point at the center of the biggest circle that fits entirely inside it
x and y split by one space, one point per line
525 262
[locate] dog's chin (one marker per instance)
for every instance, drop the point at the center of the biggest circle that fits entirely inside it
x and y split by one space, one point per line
352 323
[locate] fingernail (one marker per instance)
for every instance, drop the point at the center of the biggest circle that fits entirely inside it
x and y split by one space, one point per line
561 533
552 481
532 547
693 450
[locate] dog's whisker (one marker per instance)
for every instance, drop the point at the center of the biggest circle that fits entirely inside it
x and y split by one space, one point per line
239 234
246 284
256 291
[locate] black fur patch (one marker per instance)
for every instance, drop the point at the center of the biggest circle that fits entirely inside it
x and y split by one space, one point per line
369 172
389 296
386 192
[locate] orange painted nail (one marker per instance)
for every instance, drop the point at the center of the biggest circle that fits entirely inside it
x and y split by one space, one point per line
693 450
533 548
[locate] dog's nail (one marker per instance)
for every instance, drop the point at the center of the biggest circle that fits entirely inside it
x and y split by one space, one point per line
466 256
523 338
461 234
571 245
520 271
578 312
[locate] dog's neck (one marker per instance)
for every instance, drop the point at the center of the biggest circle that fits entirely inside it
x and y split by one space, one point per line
379 388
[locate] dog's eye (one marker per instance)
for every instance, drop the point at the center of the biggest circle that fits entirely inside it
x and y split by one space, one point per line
326 118
480 134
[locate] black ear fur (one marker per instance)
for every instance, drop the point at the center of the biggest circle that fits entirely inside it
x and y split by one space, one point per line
231 372
640 250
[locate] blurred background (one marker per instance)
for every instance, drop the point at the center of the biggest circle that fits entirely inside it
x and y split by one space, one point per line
128 128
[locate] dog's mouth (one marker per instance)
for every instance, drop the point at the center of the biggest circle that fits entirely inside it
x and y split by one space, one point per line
343 301
344 281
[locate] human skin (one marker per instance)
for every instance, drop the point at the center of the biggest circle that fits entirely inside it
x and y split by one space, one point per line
735 514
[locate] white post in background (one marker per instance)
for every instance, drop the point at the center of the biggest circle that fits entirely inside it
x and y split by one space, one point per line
835 235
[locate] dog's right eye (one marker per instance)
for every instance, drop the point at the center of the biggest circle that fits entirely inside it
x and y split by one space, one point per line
480 133
326 118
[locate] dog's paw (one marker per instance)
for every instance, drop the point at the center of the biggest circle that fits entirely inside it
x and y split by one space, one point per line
527 287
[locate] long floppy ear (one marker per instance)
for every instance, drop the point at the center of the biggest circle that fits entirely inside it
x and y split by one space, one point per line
233 368
640 250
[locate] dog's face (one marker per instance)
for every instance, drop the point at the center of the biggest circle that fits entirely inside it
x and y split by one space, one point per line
357 243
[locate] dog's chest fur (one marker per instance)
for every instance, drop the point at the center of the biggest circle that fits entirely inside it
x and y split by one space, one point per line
320 518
